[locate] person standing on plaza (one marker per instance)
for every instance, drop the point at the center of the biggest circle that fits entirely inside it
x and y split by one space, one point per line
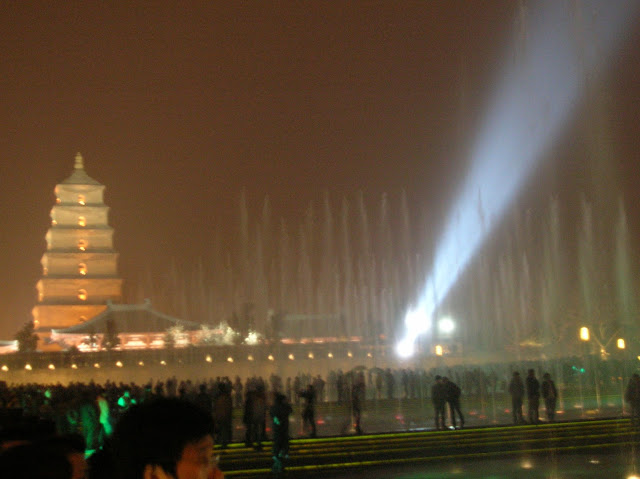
516 390
280 412
533 397
309 409
439 400
550 396
632 396
452 394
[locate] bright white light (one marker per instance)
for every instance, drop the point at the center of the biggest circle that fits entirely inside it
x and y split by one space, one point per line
536 94
446 325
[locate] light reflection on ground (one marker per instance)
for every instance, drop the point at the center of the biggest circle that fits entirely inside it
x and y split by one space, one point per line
581 466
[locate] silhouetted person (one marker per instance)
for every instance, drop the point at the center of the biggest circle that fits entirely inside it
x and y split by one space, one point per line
453 399
357 399
439 400
280 412
533 397
516 390
309 409
223 414
550 396
255 408
632 396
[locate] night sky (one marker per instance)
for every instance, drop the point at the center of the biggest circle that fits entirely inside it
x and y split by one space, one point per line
179 107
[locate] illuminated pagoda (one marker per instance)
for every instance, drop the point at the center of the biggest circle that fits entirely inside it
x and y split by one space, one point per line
79 266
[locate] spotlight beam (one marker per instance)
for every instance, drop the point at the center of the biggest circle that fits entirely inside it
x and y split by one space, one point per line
539 90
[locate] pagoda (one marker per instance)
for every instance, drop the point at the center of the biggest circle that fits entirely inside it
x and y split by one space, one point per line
79 266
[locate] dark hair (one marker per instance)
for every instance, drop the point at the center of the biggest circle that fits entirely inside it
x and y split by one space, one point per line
156 433
34 461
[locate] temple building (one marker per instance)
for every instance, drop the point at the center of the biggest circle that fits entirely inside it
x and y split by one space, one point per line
79 266
80 294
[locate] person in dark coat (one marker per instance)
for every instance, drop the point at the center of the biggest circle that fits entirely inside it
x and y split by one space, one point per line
533 397
280 412
223 414
439 400
550 396
632 396
516 390
452 392
309 409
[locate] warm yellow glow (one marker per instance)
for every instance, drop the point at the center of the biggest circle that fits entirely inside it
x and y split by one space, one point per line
291 356
140 363
36 323
584 333
349 354
310 355
81 200
5 367
58 200
74 366
40 296
369 355
621 343
208 358
82 245
439 350
230 359
82 294
163 362
28 367
45 271
119 364
270 358
330 355
51 366
54 222
82 221
82 269
96 365
250 357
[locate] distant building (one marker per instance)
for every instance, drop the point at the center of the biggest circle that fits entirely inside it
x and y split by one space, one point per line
79 266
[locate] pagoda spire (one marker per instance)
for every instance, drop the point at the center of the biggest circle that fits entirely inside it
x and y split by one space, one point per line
79 162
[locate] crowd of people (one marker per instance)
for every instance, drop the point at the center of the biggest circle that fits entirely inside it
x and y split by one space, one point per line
68 423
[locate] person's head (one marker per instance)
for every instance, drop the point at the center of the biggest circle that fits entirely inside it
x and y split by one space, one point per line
546 376
438 378
164 438
532 372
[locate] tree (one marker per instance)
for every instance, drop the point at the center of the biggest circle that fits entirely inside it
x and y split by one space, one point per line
111 338
27 338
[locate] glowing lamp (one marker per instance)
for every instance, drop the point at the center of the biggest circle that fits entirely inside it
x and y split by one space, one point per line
349 354
28 367
250 357
140 363
163 362
51 366
621 344
119 364
310 355
446 325
439 350
270 358
291 356
369 355
584 333
208 358
330 355
74 366
5 367
96 365
230 359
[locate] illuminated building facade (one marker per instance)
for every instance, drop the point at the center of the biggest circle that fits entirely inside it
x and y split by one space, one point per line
79 266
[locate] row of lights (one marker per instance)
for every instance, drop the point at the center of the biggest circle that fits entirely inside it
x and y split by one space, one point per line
208 359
